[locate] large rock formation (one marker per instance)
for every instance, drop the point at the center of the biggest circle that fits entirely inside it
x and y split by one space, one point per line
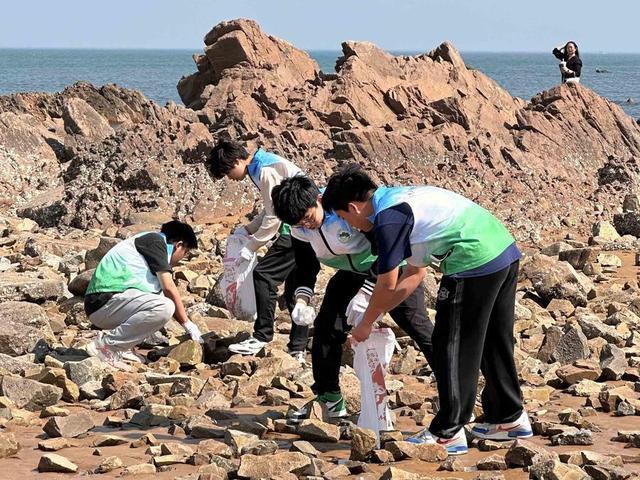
93 157
426 118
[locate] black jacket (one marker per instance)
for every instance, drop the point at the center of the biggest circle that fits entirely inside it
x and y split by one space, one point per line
574 64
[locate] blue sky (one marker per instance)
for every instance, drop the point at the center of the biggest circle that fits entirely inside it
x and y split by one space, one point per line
472 25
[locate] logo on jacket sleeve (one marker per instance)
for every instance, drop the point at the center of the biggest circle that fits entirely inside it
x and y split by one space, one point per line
344 236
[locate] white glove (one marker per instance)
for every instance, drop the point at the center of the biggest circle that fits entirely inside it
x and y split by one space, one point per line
246 254
303 314
193 331
241 230
359 303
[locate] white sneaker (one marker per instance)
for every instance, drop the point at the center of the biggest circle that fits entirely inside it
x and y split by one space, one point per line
457 445
521 428
250 346
132 356
97 348
299 356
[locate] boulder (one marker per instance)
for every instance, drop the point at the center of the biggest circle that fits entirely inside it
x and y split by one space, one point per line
363 442
552 279
23 325
29 394
68 427
30 288
572 346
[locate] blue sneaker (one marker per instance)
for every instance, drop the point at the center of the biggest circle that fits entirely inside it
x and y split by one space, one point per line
457 445
521 428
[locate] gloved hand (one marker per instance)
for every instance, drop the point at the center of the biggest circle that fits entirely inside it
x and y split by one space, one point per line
241 230
303 314
193 330
246 254
359 303
563 66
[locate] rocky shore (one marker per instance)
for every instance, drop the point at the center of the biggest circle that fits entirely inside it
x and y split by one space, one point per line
84 168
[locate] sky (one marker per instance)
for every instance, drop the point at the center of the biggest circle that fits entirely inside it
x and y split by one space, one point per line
415 25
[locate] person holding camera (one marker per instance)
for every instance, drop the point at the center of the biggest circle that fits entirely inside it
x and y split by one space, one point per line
570 62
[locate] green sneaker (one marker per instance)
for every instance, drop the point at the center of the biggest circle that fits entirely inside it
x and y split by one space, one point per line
334 402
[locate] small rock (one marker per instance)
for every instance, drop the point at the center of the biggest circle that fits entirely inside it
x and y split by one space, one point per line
254 466
55 444
305 447
393 473
54 411
493 462
128 396
109 464
381 456
109 441
88 370
9 446
521 453
613 362
315 430
51 462
140 469
187 353
581 437
363 442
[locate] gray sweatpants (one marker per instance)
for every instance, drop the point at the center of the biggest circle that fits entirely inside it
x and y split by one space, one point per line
131 316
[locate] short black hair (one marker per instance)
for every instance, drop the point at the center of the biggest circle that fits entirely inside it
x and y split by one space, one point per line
223 157
293 197
177 231
349 184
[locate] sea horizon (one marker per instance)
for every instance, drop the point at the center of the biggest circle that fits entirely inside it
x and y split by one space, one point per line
156 71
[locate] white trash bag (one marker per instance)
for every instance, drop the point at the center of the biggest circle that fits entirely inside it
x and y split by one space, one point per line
371 360
237 280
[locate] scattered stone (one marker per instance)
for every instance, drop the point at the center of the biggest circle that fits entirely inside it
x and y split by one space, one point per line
571 347
23 325
580 437
29 394
452 464
109 464
493 462
485 445
51 462
109 441
55 444
363 442
424 452
381 456
9 446
140 469
317 431
188 353
54 411
613 362
128 395
255 466
521 453
394 473
88 370
68 427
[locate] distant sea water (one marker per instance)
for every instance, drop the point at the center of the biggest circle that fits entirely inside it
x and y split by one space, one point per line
156 72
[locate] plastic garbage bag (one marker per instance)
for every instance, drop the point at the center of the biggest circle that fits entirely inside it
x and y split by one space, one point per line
371 360
237 279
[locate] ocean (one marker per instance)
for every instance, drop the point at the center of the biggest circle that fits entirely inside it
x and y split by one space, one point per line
156 72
